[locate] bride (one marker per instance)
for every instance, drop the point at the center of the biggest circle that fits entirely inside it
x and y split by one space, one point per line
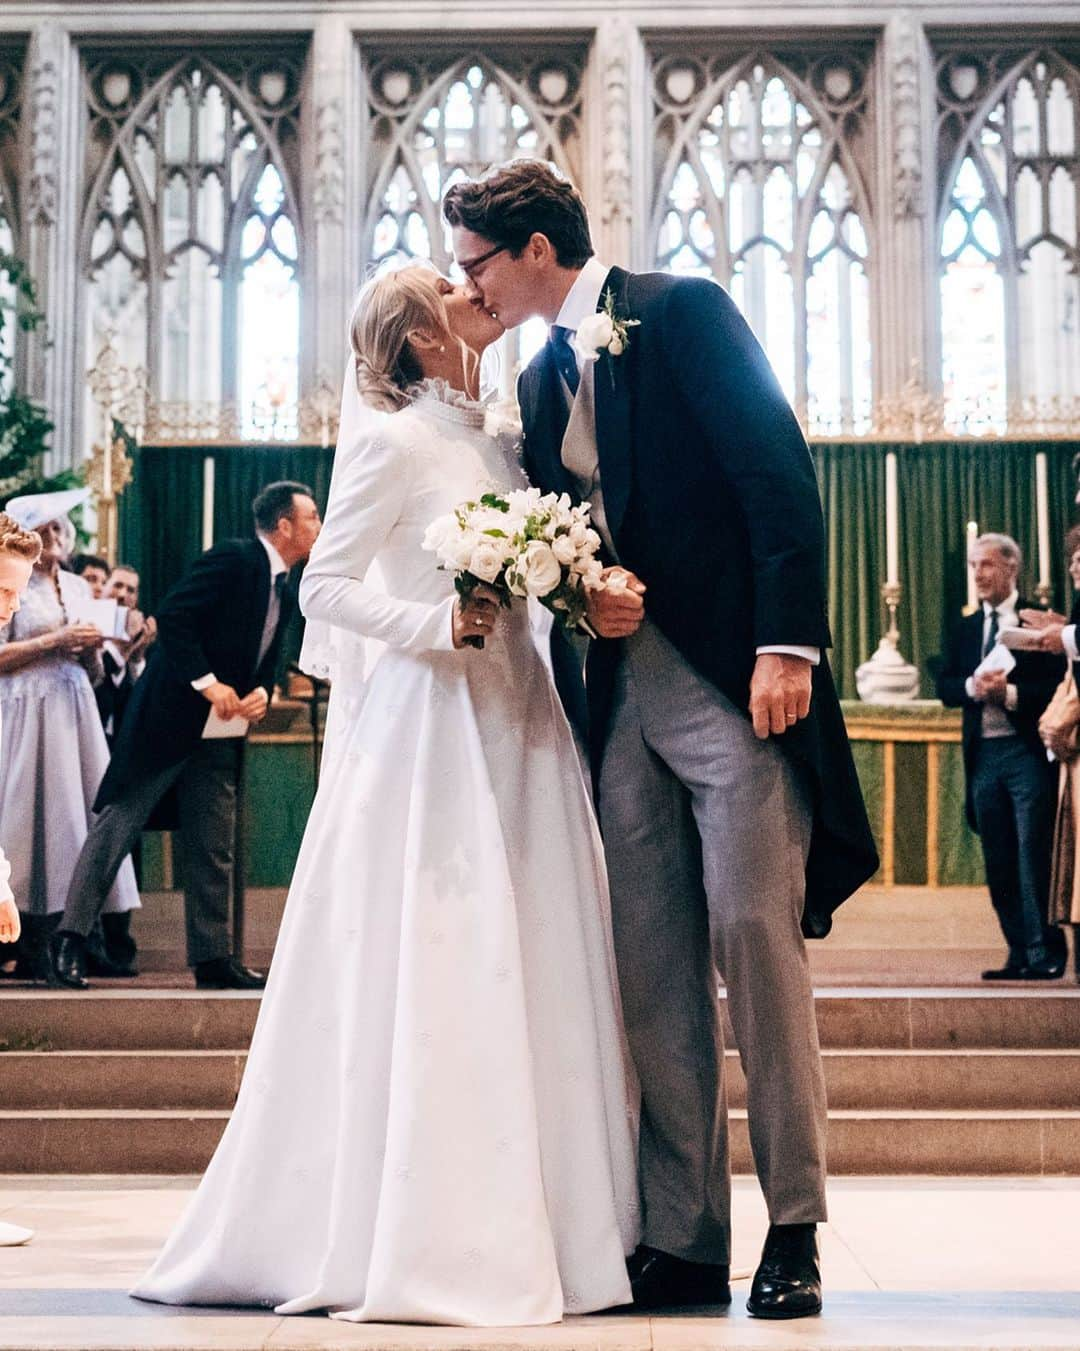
435 1124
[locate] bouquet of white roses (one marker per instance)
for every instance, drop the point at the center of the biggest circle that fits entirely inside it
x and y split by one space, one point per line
522 543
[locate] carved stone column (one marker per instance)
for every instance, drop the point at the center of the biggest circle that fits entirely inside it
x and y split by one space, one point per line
51 113
613 99
905 321
332 192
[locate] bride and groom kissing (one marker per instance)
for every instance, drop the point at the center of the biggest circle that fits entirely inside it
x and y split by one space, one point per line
486 1085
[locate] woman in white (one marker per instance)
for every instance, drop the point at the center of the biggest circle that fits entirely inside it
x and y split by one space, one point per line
435 1124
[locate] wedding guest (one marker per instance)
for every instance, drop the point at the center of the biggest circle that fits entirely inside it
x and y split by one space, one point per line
123 664
93 570
1010 784
1061 740
54 752
208 678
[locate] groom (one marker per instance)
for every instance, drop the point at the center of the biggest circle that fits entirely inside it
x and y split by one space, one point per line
732 817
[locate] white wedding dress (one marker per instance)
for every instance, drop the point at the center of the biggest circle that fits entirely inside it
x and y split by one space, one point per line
435 1124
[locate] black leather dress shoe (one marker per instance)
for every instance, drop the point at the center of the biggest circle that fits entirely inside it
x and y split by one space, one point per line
226 973
99 963
1010 971
69 962
787 1283
1051 969
661 1281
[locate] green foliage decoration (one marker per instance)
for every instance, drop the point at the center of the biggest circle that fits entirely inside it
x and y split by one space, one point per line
25 427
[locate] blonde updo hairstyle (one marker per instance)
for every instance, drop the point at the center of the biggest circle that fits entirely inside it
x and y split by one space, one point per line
388 309
17 542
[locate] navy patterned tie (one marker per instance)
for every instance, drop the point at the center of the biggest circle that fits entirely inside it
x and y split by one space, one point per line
991 633
565 358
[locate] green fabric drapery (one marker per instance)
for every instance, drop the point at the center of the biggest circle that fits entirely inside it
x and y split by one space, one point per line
852 482
161 514
942 486
160 517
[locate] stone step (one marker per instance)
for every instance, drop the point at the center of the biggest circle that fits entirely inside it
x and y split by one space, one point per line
1043 1018
976 1080
1032 1143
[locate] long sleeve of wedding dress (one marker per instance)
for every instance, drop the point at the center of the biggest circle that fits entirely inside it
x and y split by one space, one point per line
369 496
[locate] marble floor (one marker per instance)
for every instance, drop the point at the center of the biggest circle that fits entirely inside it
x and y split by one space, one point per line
907 1262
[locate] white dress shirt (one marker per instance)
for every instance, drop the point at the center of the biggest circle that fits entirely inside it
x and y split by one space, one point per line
583 299
995 723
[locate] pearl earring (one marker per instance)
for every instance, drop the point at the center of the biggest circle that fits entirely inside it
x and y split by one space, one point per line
442 347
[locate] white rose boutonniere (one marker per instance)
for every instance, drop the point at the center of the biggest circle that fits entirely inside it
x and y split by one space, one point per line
604 331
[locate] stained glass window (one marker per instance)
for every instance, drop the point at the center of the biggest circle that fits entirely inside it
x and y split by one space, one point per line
1009 174
760 176
191 233
435 119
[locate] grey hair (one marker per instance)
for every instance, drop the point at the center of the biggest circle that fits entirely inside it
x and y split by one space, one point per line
1006 546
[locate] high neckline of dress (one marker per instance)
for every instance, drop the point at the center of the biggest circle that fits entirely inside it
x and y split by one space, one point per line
441 398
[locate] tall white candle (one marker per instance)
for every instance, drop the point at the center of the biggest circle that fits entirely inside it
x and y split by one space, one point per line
972 535
208 503
892 532
1042 515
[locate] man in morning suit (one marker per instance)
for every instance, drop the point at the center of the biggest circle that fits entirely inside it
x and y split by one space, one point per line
732 817
1010 783
219 634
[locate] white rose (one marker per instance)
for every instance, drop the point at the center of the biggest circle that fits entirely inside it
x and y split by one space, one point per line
458 548
440 533
592 575
578 533
564 549
591 542
594 332
615 581
539 568
616 346
487 559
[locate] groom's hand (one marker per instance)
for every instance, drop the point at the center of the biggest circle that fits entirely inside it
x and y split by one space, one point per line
779 692
616 611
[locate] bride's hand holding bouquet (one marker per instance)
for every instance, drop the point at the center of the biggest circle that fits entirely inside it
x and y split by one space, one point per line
521 543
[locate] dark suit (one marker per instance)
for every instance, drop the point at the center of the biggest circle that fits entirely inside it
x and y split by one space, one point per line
718 845
113 696
1010 787
712 500
212 621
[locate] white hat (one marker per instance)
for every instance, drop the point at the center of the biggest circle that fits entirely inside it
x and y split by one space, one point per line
36 509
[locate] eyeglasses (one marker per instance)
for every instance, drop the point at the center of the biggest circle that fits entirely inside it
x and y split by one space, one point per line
470 267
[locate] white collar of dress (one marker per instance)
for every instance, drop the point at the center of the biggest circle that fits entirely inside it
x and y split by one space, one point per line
438 396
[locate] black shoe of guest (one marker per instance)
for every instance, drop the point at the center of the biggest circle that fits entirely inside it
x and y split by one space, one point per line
120 947
661 1281
69 961
1010 971
787 1283
226 973
1051 969
100 963
35 966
